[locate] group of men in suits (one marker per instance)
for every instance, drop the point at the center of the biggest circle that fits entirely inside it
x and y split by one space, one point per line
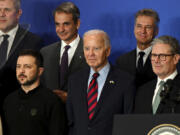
92 89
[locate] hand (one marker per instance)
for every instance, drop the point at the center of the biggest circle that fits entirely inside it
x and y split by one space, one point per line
61 94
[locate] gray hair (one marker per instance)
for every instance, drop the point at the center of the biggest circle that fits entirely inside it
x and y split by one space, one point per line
148 12
16 3
171 41
68 8
103 33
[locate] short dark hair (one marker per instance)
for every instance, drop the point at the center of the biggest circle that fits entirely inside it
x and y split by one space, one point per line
36 54
171 41
69 8
148 12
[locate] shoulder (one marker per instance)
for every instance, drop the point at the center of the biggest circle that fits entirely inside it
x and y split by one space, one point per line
127 57
48 96
50 47
11 97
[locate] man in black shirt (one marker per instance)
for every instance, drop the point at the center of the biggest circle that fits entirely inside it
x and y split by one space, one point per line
33 109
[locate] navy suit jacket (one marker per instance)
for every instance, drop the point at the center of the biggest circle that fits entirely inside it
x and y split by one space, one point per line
127 62
116 98
144 97
23 40
51 55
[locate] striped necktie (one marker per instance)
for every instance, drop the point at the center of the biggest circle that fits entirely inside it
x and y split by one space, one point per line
92 95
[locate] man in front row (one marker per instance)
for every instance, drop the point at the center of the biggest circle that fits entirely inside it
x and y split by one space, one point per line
161 95
98 92
33 109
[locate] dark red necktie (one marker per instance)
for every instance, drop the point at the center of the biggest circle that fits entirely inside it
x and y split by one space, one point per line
64 66
92 95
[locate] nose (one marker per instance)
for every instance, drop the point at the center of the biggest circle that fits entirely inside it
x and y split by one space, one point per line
143 29
60 28
2 12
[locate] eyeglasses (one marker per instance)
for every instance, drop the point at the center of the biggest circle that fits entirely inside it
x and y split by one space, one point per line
162 57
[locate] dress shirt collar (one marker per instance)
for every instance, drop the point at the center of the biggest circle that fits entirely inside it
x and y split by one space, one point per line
11 33
103 71
172 76
147 51
73 44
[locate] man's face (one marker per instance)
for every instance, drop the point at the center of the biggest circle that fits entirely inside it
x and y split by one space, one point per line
66 28
145 30
95 52
9 16
27 72
163 68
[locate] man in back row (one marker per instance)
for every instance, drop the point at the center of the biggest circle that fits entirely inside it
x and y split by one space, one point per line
137 62
65 57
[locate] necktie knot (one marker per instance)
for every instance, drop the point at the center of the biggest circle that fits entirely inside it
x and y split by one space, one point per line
67 48
5 37
95 75
141 54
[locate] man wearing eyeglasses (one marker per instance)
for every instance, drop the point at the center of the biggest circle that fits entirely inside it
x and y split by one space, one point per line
161 95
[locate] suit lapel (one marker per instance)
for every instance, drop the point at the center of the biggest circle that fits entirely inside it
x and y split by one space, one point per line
78 56
17 40
132 60
107 89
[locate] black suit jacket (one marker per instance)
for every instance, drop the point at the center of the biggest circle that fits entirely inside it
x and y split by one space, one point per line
116 98
144 96
127 62
23 40
51 55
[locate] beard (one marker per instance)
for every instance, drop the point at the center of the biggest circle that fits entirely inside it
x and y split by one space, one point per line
28 82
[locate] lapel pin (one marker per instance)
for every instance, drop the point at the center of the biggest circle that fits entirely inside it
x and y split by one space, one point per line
80 57
111 82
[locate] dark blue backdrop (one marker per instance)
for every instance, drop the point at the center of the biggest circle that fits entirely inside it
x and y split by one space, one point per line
116 17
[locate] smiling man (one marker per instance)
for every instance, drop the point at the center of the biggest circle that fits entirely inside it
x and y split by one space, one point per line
137 61
33 109
161 95
98 92
65 57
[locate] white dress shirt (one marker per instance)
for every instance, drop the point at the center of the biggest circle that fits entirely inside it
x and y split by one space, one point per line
12 34
147 51
71 50
172 76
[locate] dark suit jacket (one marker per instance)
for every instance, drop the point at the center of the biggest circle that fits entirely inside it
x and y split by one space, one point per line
127 62
116 98
144 96
23 40
51 55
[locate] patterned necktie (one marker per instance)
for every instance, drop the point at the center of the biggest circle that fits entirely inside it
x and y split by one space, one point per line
64 66
140 61
92 95
157 98
3 49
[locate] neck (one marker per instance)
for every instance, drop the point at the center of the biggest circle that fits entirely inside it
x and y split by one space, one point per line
142 46
27 88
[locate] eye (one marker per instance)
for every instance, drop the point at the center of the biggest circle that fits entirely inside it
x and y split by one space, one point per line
86 48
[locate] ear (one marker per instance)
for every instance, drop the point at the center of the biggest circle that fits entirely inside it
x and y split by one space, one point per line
19 12
108 51
156 31
176 58
78 24
41 70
